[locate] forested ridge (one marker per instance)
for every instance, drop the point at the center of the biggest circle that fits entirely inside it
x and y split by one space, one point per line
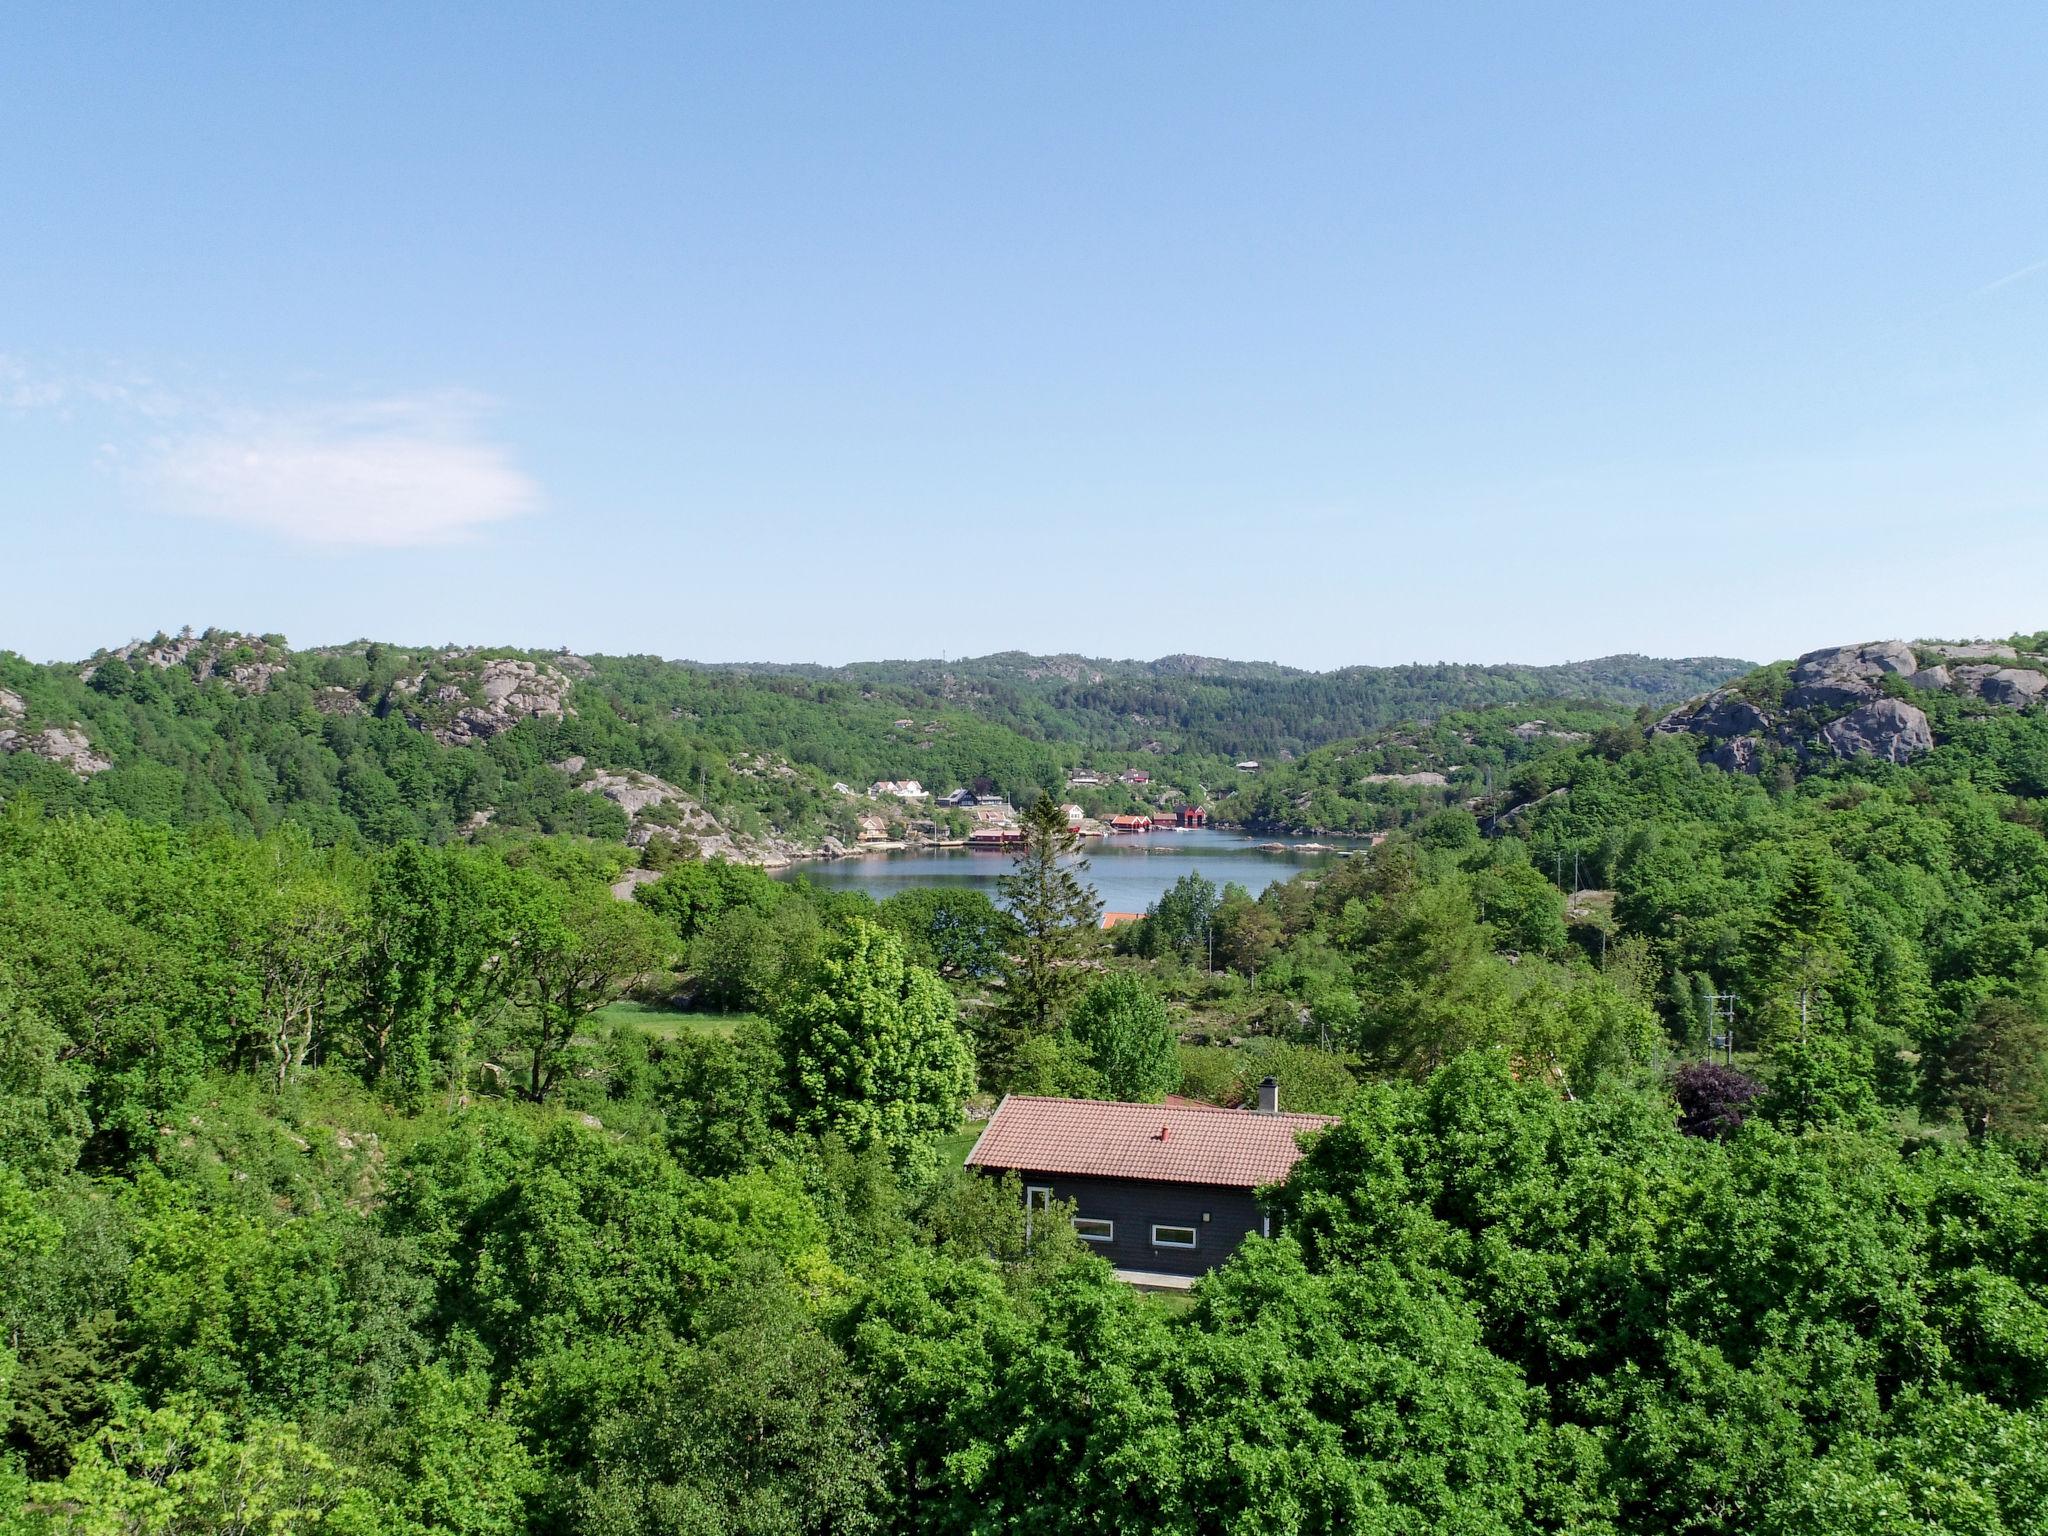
373 744
1691 1172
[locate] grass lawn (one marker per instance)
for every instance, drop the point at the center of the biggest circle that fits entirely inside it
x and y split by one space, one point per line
953 1149
669 1023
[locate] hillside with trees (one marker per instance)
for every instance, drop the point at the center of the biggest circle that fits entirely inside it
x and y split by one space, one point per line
372 744
1692 1171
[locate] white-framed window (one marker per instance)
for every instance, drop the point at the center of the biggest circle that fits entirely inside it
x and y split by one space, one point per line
1173 1237
1093 1229
1037 1196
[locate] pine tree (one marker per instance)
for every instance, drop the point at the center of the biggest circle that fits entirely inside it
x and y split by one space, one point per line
1055 911
1996 1072
1802 938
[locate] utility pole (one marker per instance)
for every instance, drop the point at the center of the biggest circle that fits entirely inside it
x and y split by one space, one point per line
1723 1006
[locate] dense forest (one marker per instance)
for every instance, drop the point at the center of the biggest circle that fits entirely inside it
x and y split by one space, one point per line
1232 710
372 744
1692 1172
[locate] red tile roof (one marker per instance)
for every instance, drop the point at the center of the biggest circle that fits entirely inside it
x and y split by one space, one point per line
1171 1144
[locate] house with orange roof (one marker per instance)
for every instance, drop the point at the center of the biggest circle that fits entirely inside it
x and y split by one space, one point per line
1165 1192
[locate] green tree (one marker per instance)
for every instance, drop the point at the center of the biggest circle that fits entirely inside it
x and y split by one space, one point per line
952 930
744 959
760 1428
872 1048
576 949
1129 1038
1429 983
1800 939
1247 931
444 1462
436 932
1183 916
1054 913
177 1471
1995 1074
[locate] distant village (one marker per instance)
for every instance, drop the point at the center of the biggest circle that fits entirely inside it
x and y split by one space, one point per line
971 818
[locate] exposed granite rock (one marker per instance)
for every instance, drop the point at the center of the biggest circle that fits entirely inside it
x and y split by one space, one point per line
1741 754
1720 714
1418 780
1934 679
1873 660
2012 687
65 746
657 809
1887 728
338 701
506 691
631 791
252 676
626 884
12 705
1534 730
1848 674
205 656
1976 652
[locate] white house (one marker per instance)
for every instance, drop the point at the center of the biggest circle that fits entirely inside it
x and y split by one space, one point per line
902 789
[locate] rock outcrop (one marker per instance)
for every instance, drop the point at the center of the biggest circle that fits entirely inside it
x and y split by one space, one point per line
1739 754
1977 652
244 662
655 808
2013 687
66 746
1720 714
497 697
1848 674
1888 728
1837 704
338 701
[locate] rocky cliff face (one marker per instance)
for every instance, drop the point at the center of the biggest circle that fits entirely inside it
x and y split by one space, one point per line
65 745
657 809
246 663
459 701
1836 703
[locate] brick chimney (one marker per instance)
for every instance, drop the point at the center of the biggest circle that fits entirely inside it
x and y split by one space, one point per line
1269 1096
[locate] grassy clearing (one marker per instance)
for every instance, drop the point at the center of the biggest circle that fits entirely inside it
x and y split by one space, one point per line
953 1149
670 1023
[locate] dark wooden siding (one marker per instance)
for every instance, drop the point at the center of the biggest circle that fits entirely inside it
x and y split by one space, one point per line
1222 1218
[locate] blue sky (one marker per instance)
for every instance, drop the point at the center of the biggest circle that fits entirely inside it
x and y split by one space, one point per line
1318 333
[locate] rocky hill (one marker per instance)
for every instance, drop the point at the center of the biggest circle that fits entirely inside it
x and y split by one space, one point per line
1849 701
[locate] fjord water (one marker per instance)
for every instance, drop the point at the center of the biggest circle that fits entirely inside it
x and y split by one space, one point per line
1128 873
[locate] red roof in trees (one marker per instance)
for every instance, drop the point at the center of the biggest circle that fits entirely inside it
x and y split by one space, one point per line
1169 1144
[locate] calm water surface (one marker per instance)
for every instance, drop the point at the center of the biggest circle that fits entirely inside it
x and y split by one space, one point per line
1128 873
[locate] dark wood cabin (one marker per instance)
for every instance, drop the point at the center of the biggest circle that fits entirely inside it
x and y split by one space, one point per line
1157 1189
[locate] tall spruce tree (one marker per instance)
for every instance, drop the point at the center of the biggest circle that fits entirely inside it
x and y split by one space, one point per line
1055 911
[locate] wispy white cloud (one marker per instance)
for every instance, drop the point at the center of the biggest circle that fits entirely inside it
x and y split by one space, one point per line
2011 277
388 474
23 389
